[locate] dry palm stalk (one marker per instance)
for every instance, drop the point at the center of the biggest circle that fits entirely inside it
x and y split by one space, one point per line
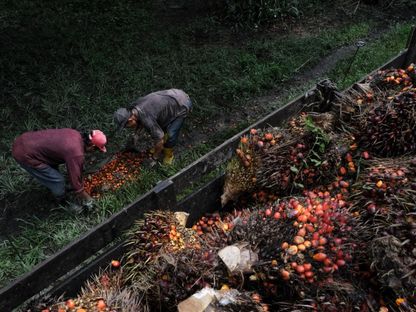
394 258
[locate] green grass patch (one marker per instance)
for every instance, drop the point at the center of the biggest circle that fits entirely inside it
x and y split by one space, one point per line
371 56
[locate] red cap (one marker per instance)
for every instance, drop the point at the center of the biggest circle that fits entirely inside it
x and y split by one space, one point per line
98 139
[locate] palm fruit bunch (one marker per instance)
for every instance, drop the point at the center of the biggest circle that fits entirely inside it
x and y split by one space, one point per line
395 79
385 186
382 112
158 232
213 222
284 161
190 269
307 159
241 169
168 262
185 273
104 292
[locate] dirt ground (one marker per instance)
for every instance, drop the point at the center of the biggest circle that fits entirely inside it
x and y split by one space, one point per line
39 203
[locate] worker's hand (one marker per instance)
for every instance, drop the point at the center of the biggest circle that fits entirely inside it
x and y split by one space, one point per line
149 162
88 204
131 145
84 196
85 199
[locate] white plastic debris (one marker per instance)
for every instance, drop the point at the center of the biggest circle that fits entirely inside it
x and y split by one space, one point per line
199 301
181 217
238 257
206 299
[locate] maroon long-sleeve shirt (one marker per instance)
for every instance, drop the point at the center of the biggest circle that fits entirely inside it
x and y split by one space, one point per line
52 147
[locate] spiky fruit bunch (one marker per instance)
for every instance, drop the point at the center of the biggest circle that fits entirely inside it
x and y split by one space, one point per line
384 197
396 79
238 180
299 162
382 114
388 128
198 265
103 292
157 233
168 262
241 169
385 186
285 160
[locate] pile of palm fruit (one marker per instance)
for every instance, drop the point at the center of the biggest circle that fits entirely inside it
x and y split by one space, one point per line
325 202
124 167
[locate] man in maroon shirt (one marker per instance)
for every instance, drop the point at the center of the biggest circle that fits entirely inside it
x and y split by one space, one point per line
41 152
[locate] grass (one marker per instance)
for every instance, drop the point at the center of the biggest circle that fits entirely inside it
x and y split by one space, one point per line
75 63
371 56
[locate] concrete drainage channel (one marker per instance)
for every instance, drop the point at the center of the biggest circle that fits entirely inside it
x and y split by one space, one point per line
65 271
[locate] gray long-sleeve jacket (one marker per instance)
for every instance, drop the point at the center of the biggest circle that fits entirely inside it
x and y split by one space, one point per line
157 110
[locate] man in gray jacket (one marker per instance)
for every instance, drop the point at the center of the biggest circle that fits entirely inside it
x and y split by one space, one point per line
161 114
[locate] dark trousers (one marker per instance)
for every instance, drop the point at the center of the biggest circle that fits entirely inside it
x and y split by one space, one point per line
49 177
174 129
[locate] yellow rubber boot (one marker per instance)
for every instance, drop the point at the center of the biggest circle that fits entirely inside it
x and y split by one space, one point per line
168 156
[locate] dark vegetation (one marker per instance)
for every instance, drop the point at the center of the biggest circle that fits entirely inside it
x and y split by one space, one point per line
72 63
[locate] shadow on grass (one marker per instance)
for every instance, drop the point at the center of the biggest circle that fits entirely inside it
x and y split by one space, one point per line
17 212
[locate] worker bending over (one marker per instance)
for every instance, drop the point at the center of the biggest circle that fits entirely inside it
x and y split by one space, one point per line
162 115
41 152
